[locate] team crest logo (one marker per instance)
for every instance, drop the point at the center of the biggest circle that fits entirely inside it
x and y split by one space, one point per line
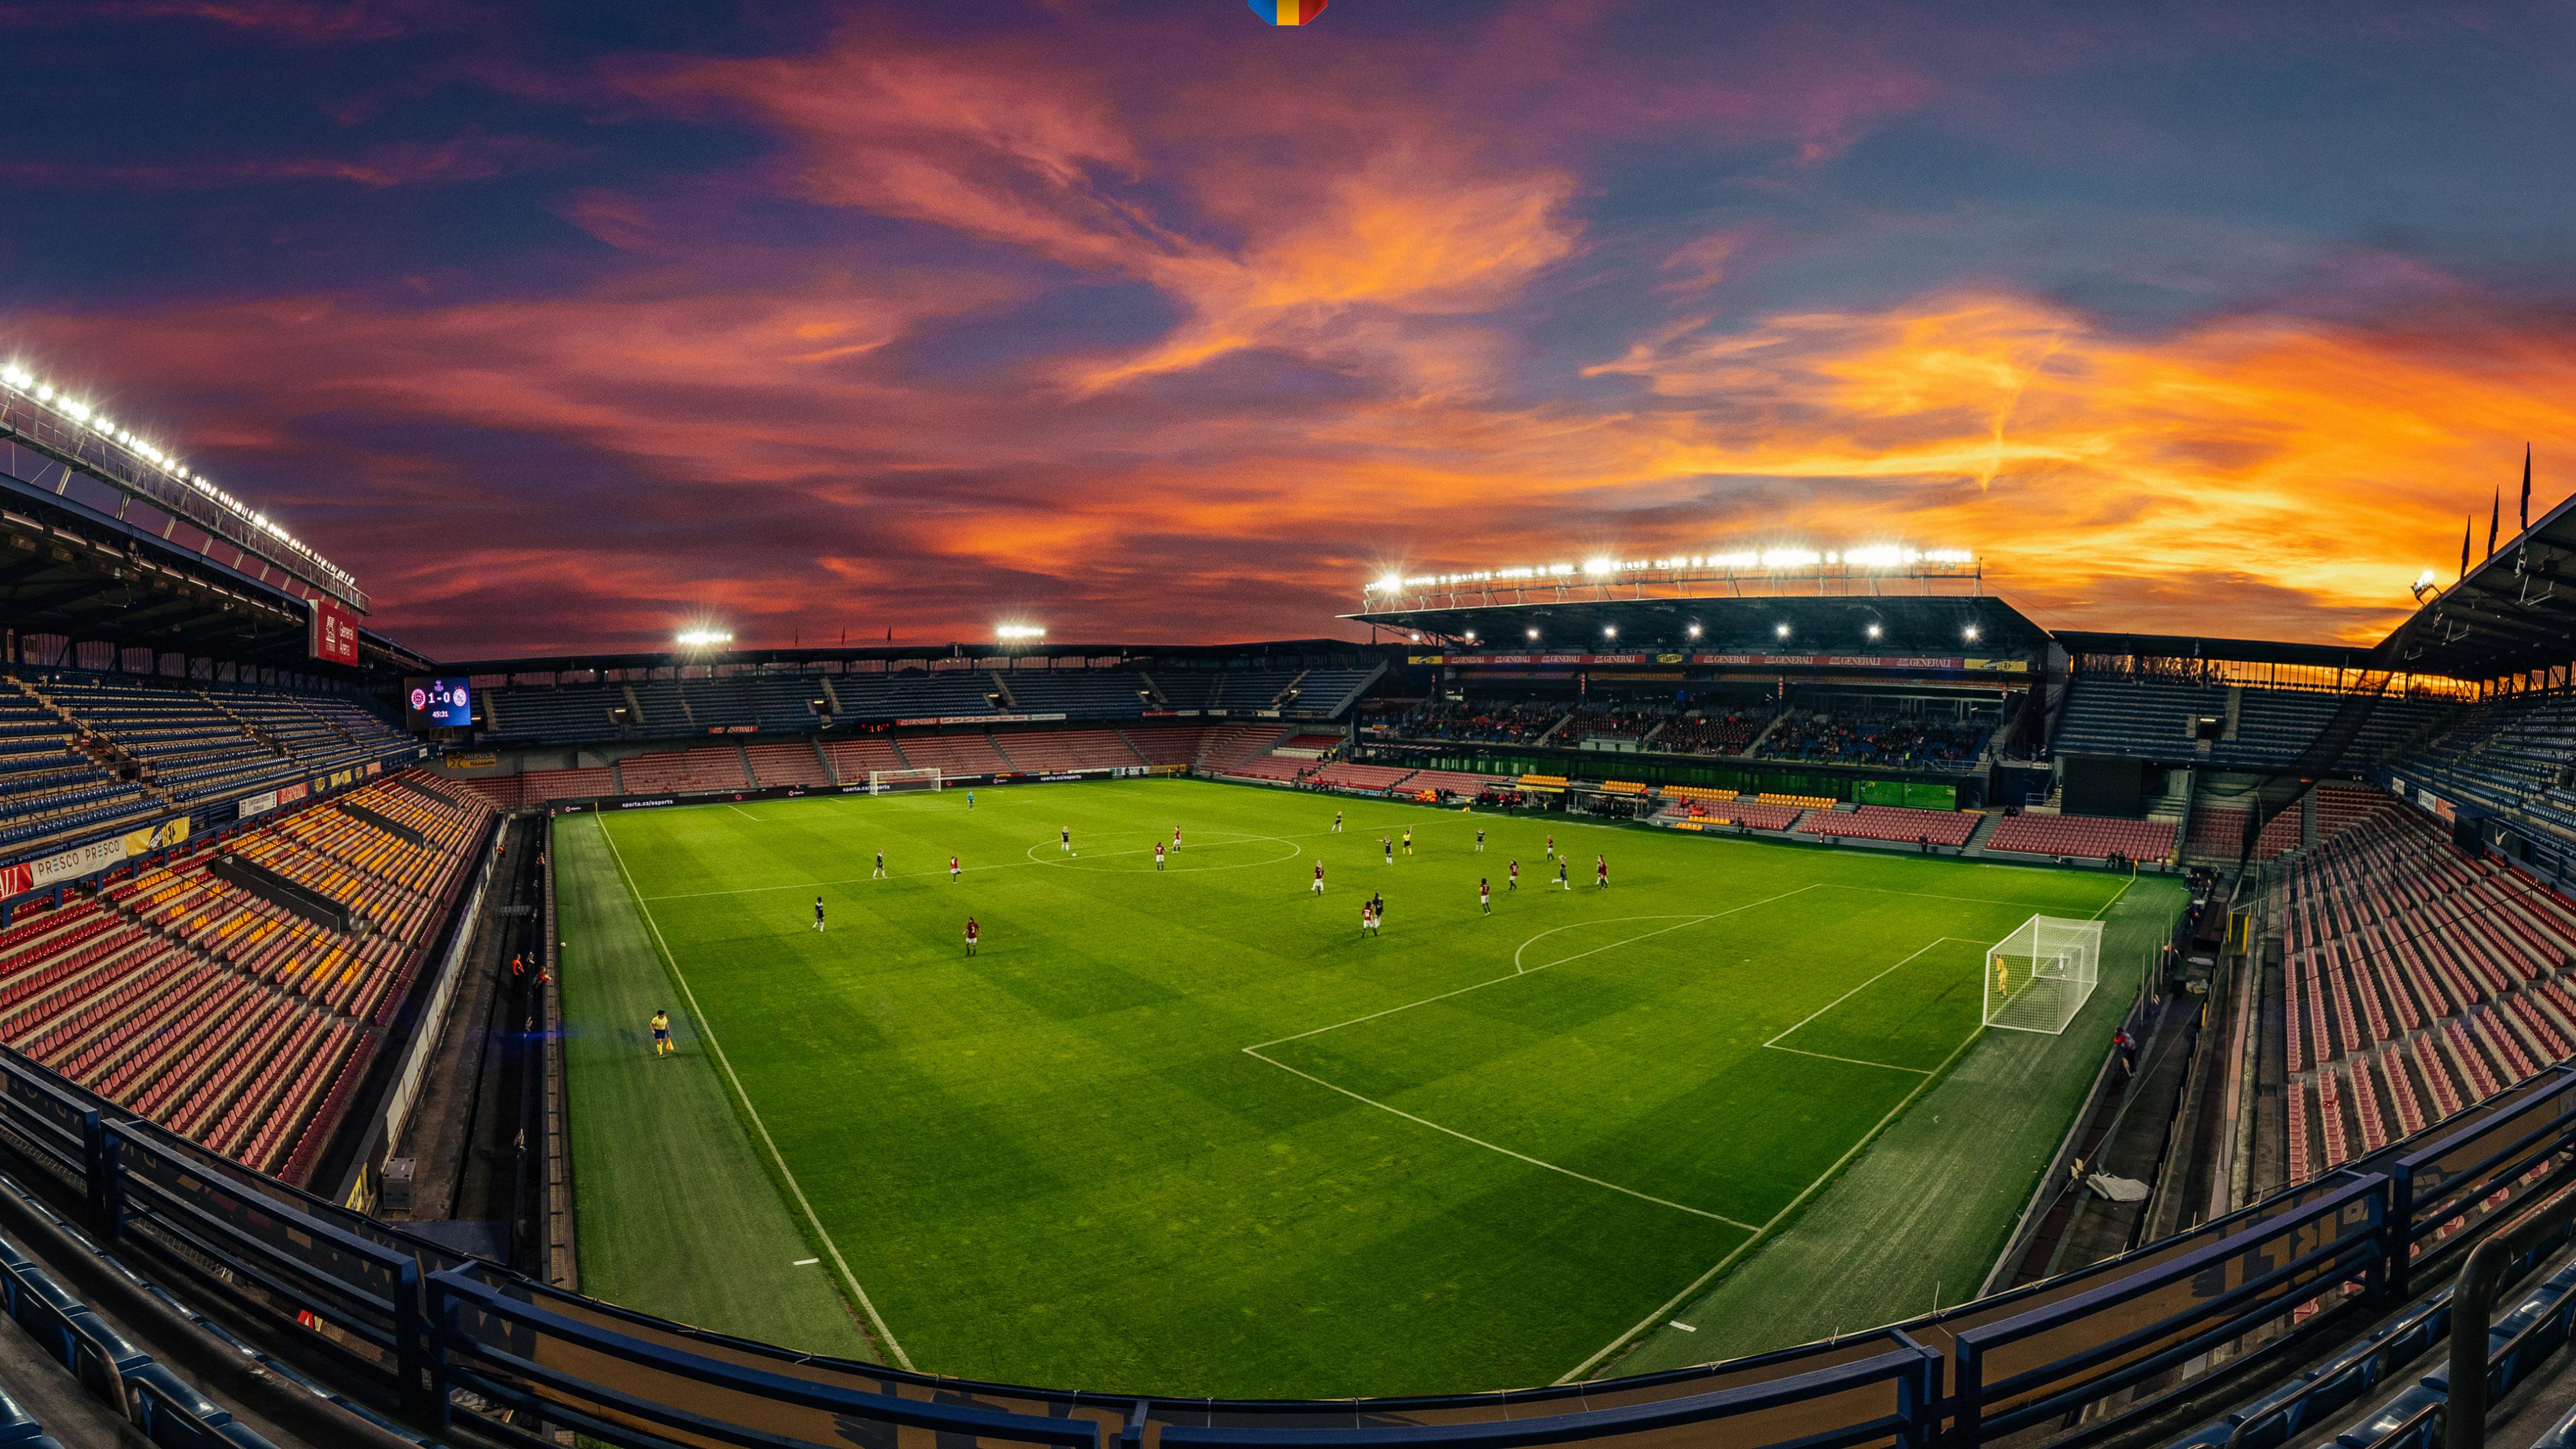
1288 12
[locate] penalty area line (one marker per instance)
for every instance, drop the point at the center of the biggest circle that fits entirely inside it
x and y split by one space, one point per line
1674 1303
1255 1054
707 1030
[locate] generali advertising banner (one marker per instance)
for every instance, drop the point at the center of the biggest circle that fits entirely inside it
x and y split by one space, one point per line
335 632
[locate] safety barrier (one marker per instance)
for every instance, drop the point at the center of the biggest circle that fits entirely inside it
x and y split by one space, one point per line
407 1325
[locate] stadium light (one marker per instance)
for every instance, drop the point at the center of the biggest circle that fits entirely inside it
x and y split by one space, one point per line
1599 567
1873 631
1781 629
1693 631
1019 633
16 376
1533 636
1970 633
704 638
1609 631
1469 636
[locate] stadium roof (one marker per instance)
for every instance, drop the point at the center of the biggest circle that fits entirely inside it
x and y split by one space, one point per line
1907 623
2192 646
73 571
895 654
2514 612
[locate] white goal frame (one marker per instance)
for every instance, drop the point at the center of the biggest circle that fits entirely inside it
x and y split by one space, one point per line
2040 976
887 782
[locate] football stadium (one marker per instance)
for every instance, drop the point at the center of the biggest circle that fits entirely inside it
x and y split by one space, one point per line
1815 977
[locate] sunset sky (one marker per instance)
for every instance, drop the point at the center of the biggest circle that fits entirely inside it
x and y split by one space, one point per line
1141 319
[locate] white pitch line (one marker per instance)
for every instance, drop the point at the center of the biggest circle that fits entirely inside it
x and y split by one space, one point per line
707 1030
1764 1231
738 810
1518 972
1854 1061
1864 986
1256 1055
2115 897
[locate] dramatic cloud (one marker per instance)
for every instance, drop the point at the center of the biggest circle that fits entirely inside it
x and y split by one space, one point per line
1154 325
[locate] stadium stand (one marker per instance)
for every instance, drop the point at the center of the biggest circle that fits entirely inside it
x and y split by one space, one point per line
1710 734
2218 832
2413 975
2157 719
1892 822
1051 752
1077 693
2510 754
542 786
783 763
1226 748
2082 837
852 759
1166 744
968 752
1861 732
1371 778
1485 722
713 767
194 997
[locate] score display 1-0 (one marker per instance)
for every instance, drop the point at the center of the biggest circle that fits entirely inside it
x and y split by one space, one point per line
441 703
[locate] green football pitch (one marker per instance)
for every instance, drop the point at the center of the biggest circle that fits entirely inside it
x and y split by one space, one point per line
1185 1131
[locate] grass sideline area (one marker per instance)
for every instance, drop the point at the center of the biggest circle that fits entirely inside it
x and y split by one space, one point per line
1186 1132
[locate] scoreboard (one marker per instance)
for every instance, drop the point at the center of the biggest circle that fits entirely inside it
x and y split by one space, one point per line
438 704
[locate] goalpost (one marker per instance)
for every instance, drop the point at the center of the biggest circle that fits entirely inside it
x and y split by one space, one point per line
887 782
2038 977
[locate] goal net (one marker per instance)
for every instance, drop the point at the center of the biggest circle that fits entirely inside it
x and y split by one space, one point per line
887 782
2038 977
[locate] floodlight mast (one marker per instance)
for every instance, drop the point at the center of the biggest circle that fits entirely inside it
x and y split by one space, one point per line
1864 572
48 420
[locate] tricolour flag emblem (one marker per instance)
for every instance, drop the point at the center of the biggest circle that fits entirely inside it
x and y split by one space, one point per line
1288 12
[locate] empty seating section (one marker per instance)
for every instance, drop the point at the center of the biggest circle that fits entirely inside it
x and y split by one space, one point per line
852 759
2341 807
963 753
48 789
715 767
1343 776
1225 746
212 1009
2415 981
2083 837
1166 744
1323 693
187 741
545 785
2218 833
786 764
915 694
1892 822
2158 719
1049 752
571 714
1269 767
1076 693
2509 755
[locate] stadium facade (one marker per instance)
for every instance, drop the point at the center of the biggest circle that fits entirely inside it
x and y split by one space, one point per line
267 878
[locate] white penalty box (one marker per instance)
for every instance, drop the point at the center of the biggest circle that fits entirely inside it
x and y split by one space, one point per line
2038 977
890 782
